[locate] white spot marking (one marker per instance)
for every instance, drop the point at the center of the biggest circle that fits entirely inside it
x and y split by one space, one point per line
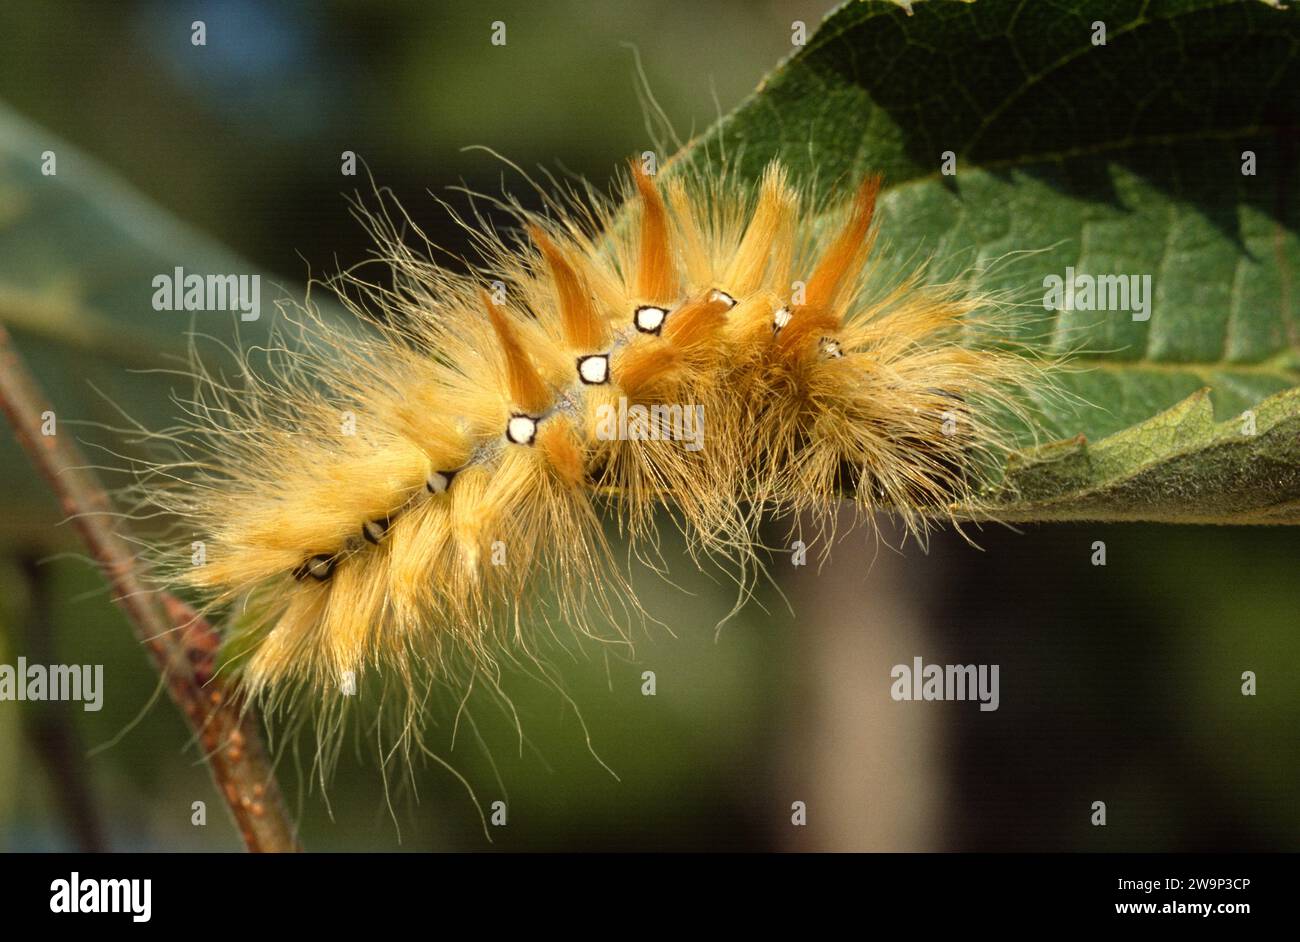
649 319
521 429
594 370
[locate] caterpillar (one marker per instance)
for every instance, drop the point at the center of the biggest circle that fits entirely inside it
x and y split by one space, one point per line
384 498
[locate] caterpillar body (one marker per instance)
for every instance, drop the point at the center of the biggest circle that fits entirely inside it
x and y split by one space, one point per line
386 499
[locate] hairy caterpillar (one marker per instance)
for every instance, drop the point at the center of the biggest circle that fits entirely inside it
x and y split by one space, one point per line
383 501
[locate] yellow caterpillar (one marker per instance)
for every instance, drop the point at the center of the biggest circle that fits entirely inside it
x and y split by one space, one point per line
387 500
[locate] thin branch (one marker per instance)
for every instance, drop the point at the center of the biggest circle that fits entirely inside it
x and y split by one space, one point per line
181 642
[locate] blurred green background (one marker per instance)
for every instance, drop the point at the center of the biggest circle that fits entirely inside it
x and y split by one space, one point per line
1118 683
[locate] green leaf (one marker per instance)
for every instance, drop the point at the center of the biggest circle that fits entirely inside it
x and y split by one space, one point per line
1180 466
1122 158
78 254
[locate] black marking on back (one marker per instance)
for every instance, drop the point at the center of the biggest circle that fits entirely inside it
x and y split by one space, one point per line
319 567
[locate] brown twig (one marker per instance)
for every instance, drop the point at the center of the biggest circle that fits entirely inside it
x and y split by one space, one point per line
179 640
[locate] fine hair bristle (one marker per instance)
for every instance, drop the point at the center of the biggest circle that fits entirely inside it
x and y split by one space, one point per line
389 500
